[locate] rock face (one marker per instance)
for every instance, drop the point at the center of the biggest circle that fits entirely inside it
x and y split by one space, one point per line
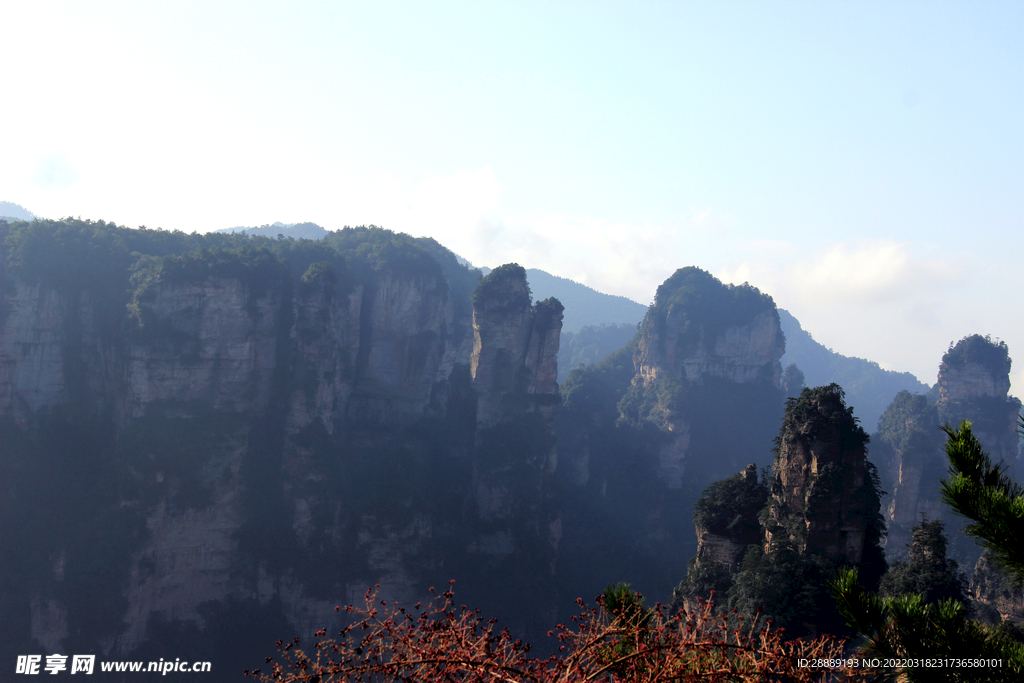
994 594
235 439
515 347
746 353
220 347
701 332
821 500
817 511
972 384
908 434
970 381
729 524
691 400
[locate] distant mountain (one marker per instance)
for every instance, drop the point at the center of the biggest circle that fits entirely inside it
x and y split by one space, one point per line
309 231
583 305
869 388
591 344
12 211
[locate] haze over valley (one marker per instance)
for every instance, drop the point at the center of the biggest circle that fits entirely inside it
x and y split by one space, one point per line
597 311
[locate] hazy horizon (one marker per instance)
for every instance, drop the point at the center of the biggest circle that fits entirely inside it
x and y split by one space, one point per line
862 163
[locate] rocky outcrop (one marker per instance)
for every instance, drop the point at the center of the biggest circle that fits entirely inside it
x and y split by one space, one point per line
276 443
995 596
823 499
744 353
911 443
969 381
972 384
817 511
514 373
515 347
702 332
726 519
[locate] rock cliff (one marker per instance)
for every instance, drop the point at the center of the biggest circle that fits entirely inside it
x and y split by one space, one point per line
692 399
701 337
823 498
726 519
995 596
972 384
817 510
242 426
717 331
515 347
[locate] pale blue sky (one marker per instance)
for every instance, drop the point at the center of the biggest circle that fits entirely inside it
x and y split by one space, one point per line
862 162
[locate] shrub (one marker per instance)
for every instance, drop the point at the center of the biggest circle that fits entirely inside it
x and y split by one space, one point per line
440 641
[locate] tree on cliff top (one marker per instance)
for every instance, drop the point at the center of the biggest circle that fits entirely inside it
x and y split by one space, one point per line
702 300
926 571
501 287
730 507
994 356
821 412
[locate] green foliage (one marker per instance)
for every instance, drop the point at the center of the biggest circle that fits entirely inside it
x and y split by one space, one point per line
789 586
322 273
75 257
906 627
373 250
258 268
548 311
626 611
994 356
701 581
819 413
927 572
657 402
501 289
983 493
730 507
592 344
598 388
462 279
906 416
626 607
698 300
793 380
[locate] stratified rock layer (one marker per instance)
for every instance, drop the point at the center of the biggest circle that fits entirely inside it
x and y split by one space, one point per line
746 353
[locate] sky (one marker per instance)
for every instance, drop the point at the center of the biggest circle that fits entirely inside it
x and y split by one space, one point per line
862 162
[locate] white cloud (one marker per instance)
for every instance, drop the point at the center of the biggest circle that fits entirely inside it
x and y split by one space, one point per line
872 299
55 171
615 257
